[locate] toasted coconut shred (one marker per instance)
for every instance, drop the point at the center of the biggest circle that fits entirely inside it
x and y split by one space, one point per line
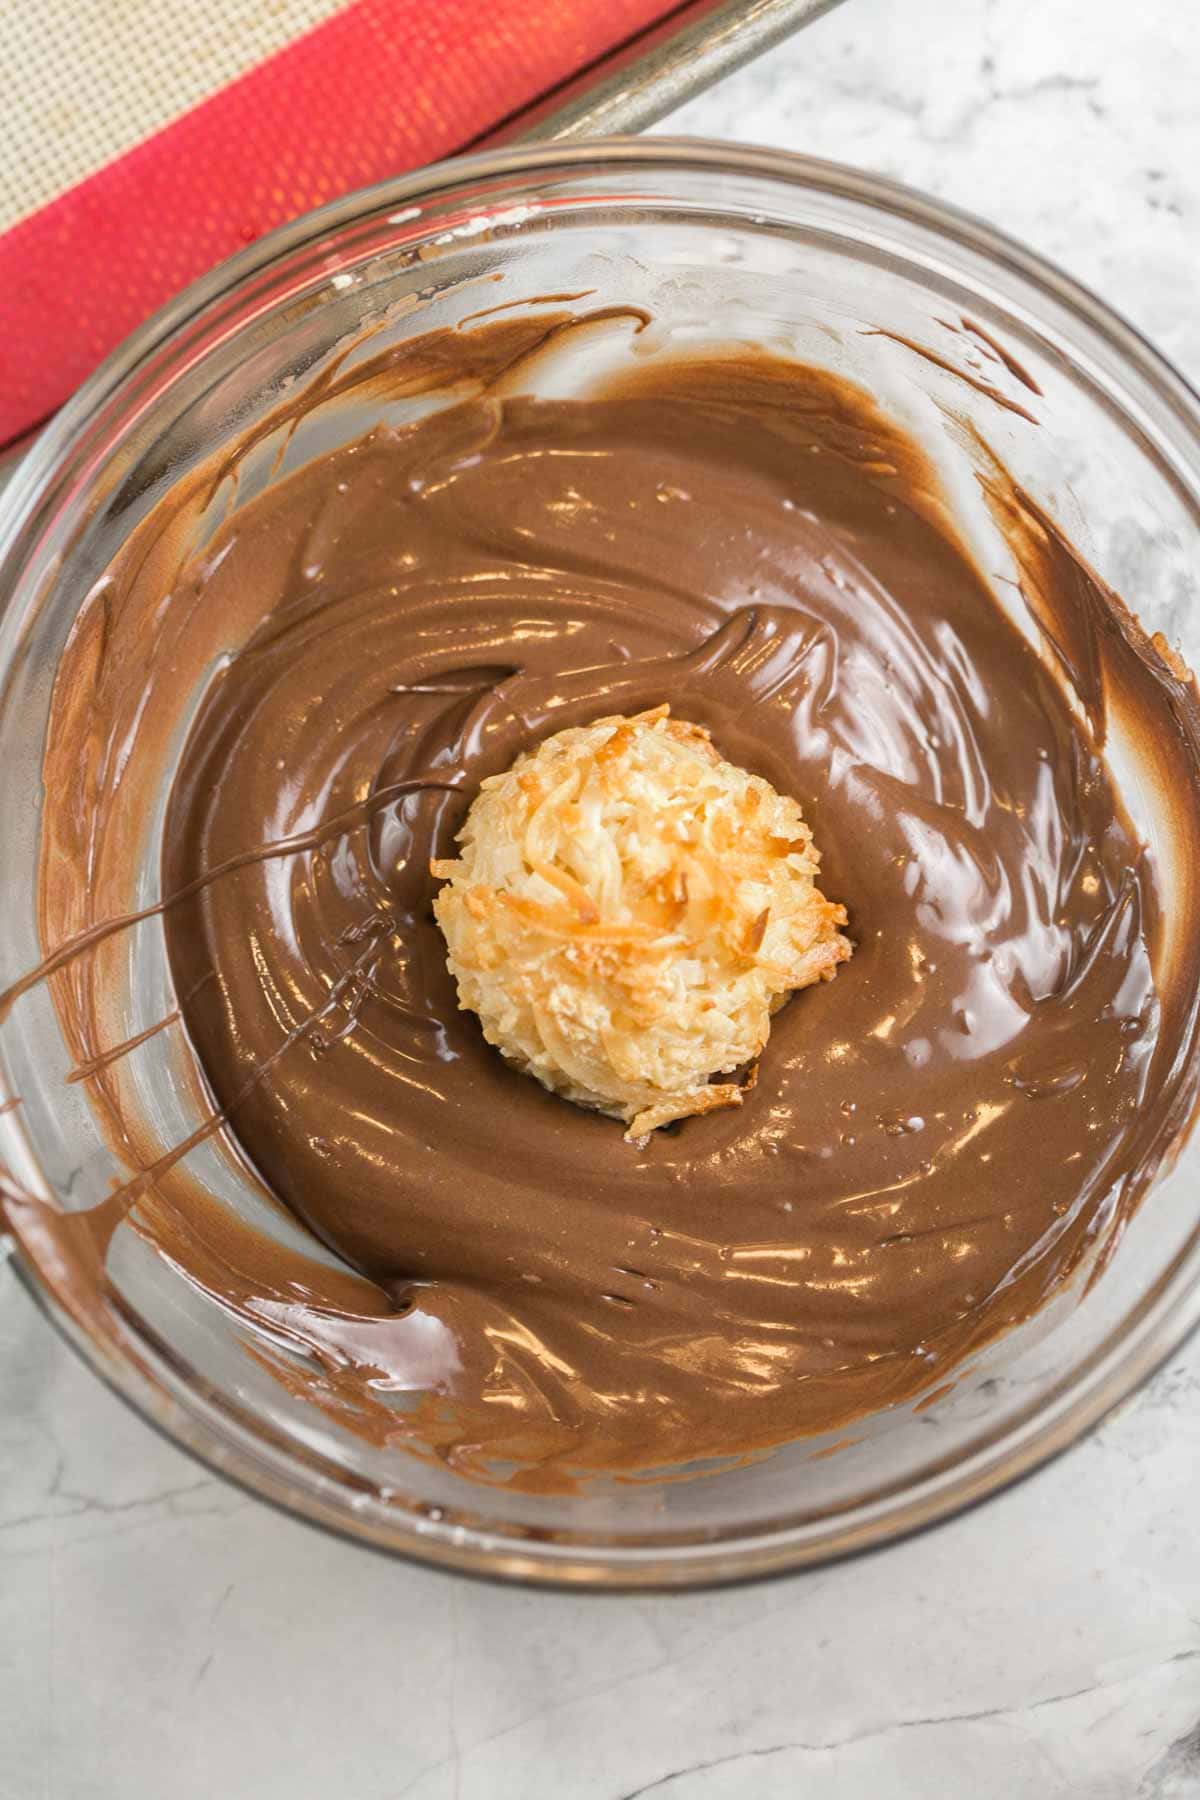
627 912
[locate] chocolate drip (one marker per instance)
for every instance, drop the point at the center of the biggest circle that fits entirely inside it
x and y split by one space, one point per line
936 1139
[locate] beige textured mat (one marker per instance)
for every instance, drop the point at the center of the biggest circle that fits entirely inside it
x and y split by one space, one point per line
81 81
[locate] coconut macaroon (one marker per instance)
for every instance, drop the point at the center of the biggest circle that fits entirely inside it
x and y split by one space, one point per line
626 913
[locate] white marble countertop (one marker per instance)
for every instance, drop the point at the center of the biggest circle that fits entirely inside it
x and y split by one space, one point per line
163 1637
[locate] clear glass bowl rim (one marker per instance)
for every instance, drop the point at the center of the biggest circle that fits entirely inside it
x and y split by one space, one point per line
1151 1334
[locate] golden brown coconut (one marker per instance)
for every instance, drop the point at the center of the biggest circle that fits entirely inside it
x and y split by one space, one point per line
626 913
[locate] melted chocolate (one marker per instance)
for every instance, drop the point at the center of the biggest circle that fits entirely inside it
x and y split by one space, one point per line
937 1139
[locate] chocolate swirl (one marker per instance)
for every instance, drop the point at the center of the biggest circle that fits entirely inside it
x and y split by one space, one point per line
936 1140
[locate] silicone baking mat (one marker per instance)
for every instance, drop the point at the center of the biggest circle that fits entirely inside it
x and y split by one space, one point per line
143 141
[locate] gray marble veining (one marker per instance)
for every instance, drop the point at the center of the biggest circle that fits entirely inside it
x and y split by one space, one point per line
163 1635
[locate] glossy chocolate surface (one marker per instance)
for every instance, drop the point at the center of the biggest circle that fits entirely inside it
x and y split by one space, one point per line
936 1139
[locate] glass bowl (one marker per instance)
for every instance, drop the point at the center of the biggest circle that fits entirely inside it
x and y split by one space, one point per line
803 256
